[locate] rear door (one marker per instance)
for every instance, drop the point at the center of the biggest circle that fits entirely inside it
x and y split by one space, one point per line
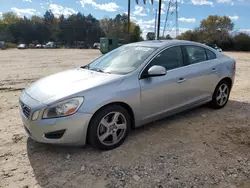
202 72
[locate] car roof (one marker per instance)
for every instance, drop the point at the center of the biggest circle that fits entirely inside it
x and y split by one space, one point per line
159 44
164 43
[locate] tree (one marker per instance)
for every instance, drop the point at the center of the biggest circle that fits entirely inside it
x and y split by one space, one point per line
10 18
242 42
136 34
37 19
117 27
216 28
70 30
213 29
168 37
52 25
49 18
191 35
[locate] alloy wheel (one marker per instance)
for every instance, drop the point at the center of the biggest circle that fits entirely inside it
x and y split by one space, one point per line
222 94
112 128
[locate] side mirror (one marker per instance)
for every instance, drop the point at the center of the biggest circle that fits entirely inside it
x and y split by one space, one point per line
156 70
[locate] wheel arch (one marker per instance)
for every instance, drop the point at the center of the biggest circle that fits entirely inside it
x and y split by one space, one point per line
213 102
123 104
227 79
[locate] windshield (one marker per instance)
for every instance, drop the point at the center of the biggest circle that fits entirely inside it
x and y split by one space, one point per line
122 60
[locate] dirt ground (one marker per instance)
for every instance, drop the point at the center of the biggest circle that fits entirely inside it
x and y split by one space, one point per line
201 148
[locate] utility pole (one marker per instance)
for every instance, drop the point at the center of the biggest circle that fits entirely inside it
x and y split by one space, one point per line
177 25
159 20
155 21
128 20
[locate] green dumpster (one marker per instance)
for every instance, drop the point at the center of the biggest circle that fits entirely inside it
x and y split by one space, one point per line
107 44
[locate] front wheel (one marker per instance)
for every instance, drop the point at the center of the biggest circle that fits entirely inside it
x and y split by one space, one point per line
221 95
109 127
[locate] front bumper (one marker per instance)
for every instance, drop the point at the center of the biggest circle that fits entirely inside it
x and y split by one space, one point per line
75 126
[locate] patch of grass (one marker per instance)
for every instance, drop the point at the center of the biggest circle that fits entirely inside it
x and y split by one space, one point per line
11 45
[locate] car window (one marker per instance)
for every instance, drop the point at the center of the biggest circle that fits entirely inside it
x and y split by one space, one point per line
122 60
170 58
195 54
210 54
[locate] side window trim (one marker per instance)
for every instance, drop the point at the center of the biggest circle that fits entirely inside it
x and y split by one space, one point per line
184 55
206 54
149 61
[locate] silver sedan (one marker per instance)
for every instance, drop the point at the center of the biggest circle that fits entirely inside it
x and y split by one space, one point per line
130 86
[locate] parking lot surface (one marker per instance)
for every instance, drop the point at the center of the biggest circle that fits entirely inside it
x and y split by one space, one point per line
200 148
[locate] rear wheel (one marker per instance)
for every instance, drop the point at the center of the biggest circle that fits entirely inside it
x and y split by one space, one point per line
109 127
221 95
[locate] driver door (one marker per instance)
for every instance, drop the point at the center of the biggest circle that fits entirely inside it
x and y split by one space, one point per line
162 94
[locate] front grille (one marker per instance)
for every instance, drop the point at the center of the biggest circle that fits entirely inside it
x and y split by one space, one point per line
25 109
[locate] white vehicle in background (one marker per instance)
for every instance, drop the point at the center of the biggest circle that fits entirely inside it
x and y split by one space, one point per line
22 46
40 46
219 49
50 45
214 46
96 45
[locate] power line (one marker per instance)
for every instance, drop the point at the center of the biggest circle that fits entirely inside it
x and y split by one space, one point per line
166 18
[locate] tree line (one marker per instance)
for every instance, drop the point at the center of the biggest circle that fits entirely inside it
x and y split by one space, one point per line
76 27
218 30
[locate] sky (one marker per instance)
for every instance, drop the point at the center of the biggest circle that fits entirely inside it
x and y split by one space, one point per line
190 12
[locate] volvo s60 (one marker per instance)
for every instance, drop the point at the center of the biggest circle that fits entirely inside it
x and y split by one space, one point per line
135 84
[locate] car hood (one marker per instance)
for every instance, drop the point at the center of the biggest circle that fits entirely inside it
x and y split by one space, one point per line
66 83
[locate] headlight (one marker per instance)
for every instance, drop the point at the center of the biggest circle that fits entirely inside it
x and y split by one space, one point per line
64 108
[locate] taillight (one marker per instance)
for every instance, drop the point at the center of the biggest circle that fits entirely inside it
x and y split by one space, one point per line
234 65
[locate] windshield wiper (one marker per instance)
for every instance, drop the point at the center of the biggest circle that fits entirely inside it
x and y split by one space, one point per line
99 70
96 69
85 67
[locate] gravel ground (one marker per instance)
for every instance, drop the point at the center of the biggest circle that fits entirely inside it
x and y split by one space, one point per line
199 148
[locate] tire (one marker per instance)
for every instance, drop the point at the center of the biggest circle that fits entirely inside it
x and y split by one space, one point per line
106 123
217 102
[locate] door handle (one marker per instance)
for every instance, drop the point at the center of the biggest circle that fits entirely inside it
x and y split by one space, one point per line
181 80
214 70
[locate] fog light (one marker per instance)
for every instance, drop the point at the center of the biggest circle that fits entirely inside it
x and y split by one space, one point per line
35 115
